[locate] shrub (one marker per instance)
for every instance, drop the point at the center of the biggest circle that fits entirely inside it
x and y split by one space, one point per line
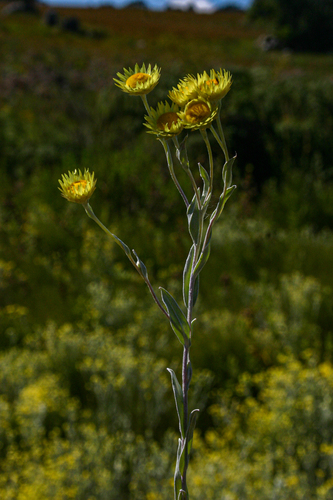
276 437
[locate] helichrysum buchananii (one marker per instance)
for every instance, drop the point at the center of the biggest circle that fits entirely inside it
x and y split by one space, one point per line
77 187
195 105
213 86
164 120
139 81
186 91
198 114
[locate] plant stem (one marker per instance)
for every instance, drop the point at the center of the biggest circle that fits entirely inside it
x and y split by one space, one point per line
145 102
220 137
187 169
168 155
210 156
186 359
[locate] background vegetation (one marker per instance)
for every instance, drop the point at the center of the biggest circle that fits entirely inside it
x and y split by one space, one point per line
86 409
299 24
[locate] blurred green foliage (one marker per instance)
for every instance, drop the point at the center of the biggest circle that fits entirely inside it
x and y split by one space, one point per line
86 408
304 25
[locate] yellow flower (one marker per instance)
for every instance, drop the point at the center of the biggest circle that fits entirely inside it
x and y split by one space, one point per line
186 91
77 187
213 86
164 121
198 114
139 81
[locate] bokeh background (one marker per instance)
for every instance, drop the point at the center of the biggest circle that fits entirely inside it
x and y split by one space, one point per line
86 407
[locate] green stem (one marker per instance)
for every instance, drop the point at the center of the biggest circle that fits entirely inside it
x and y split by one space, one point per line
220 138
92 216
145 102
186 359
195 188
186 351
211 222
168 155
210 156
189 173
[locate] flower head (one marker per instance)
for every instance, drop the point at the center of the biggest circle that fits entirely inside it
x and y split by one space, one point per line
164 121
213 86
186 91
198 114
139 81
77 187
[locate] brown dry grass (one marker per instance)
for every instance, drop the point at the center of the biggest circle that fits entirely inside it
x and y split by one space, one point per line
139 22
170 37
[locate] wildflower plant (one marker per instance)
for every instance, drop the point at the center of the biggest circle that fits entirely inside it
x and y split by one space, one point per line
196 105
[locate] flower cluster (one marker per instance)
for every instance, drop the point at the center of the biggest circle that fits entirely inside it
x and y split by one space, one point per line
194 100
194 105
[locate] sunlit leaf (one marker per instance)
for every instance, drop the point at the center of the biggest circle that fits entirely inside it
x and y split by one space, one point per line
177 318
178 394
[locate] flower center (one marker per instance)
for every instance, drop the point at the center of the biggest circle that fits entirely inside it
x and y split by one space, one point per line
167 119
133 80
197 112
212 80
210 83
75 186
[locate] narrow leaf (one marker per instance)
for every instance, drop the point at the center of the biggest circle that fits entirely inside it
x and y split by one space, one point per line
177 318
189 374
205 179
182 495
228 193
180 462
178 394
187 274
179 452
122 245
227 171
140 265
186 278
193 218
181 154
181 458
177 483
222 201
203 257
190 430
195 290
